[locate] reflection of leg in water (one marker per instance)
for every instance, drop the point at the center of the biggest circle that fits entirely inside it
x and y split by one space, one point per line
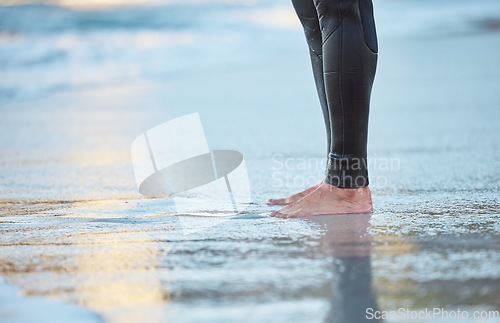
352 291
347 240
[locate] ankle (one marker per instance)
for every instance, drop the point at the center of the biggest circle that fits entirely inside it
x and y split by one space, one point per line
349 193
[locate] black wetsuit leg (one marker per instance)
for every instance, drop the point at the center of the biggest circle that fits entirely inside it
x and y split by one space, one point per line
349 52
306 11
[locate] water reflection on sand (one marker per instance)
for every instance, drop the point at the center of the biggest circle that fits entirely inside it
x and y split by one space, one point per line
131 260
346 239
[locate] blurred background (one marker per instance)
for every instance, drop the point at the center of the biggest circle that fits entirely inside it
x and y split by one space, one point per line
50 46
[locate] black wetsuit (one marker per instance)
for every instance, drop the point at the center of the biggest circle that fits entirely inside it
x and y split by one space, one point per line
343 46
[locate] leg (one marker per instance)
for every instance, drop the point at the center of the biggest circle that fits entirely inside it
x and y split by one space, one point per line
349 47
306 11
349 63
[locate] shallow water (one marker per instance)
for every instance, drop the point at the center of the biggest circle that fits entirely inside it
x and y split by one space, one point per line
129 261
76 231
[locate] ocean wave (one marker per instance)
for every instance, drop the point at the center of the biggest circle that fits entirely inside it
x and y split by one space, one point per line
54 45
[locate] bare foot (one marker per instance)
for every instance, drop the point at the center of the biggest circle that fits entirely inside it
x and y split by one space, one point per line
328 199
294 198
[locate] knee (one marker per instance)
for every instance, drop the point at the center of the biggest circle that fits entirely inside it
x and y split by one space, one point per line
331 13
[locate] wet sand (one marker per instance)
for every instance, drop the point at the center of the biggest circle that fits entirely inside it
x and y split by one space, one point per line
75 231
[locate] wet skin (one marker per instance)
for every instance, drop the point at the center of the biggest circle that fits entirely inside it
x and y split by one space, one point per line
326 199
